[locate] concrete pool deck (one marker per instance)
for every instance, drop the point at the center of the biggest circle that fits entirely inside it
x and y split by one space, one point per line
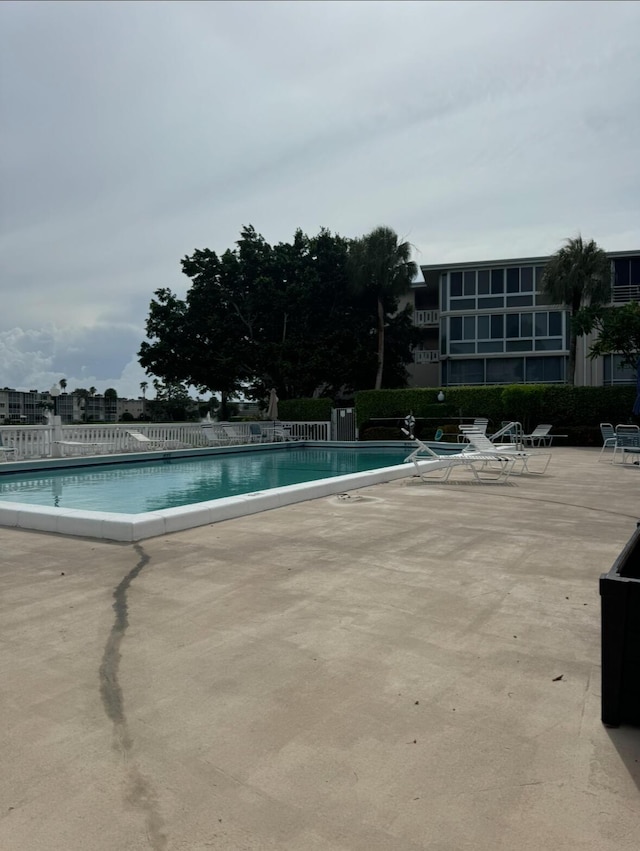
416 669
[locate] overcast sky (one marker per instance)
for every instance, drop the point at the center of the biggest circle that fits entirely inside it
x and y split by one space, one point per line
136 132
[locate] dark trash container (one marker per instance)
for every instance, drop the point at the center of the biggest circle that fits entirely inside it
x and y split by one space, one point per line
620 609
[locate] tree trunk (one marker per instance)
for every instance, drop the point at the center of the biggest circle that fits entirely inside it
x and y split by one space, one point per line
224 407
380 344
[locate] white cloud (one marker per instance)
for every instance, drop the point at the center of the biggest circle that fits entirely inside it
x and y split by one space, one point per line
135 132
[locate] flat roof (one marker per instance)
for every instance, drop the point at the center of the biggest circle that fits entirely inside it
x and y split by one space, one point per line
514 261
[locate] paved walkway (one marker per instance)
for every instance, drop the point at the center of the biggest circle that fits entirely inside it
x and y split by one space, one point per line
415 669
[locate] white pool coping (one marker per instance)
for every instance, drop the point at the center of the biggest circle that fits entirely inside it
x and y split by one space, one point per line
111 526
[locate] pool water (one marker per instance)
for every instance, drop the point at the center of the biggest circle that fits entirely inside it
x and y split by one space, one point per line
148 486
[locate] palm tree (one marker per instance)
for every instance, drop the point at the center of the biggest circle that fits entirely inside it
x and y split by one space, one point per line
143 387
379 264
578 275
63 384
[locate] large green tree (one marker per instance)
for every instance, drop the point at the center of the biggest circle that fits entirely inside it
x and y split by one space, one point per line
578 275
262 316
380 267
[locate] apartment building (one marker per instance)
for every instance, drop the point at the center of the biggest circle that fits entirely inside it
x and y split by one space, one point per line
28 407
489 322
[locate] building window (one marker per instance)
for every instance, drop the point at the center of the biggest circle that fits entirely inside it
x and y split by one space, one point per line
511 332
466 371
615 373
544 370
482 289
483 282
497 281
517 370
505 370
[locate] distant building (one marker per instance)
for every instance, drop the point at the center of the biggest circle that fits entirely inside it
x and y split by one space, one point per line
22 408
28 407
135 407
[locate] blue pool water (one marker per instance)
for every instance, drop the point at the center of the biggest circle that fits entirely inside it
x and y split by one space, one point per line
147 486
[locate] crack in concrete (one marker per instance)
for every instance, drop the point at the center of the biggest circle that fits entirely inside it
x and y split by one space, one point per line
140 792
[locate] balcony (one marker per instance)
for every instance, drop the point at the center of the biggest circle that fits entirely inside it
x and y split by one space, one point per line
425 318
426 356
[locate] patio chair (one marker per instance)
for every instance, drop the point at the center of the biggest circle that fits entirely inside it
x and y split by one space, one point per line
256 433
484 468
5 450
608 439
627 437
481 443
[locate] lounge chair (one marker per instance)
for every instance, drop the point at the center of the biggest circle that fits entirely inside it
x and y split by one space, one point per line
480 424
145 442
493 467
275 433
215 435
84 447
235 435
481 443
540 436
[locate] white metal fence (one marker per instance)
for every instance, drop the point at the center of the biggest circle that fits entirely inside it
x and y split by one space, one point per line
47 441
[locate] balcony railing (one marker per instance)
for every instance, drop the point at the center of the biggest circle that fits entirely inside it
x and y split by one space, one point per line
426 317
426 356
626 293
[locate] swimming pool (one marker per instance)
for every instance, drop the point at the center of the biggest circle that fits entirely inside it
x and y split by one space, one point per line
143 486
128 498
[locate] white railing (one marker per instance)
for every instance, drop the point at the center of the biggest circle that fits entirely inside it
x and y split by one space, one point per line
49 441
426 317
426 356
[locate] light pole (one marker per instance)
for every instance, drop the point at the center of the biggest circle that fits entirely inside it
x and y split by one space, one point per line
54 393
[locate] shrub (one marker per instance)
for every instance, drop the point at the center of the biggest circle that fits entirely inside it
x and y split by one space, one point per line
575 411
305 410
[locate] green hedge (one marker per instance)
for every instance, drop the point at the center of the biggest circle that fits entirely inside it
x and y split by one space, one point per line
575 411
305 410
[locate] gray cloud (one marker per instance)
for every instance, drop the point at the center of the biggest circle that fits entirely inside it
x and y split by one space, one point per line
135 132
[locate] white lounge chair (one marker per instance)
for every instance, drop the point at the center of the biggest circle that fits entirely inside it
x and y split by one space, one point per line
235 434
480 424
481 443
84 447
215 435
145 442
493 467
540 436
